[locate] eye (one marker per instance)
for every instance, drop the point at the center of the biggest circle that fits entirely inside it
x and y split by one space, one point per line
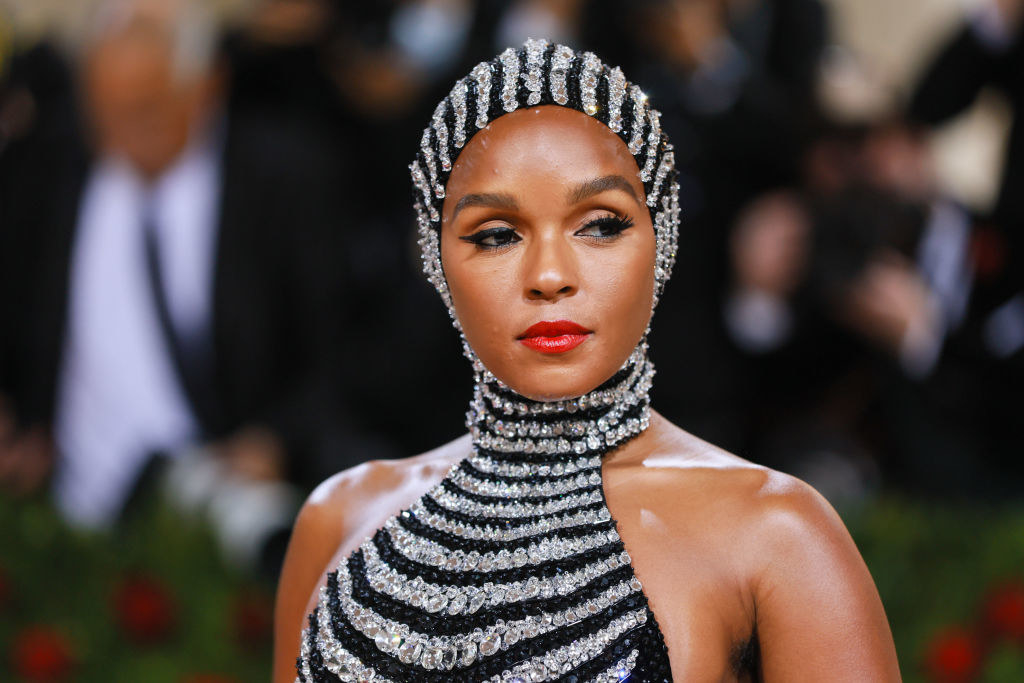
493 238
606 227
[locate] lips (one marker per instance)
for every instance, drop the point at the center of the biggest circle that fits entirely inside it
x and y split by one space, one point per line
556 336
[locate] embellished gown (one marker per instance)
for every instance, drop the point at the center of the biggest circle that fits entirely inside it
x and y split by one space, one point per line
509 569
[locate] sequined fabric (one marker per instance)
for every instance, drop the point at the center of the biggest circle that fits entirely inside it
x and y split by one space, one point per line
509 569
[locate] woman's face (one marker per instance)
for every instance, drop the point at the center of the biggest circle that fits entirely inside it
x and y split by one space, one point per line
549 251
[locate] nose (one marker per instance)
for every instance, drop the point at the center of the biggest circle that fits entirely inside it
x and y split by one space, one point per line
550 267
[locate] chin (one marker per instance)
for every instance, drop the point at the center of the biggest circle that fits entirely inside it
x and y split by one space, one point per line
556 383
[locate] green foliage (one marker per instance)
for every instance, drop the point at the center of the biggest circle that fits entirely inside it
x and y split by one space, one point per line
934 566
66 579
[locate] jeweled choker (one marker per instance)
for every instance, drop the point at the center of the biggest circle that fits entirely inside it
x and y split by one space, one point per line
506 426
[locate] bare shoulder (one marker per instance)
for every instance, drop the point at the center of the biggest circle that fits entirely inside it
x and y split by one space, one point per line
344 500
682 478
765 551
337 515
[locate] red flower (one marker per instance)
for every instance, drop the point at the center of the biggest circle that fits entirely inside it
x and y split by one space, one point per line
144 610
954 656
1004 612
42 655
253 618
988 252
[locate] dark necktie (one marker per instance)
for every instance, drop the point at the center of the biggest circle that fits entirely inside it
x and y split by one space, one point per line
190 355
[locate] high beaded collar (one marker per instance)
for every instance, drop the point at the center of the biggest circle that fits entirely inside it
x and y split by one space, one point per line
506 427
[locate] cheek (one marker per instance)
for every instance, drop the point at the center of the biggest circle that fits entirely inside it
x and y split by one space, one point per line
480 292
625 286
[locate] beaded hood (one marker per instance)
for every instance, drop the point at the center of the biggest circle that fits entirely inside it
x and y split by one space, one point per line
536 74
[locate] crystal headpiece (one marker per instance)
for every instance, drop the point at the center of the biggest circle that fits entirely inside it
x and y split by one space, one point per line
535 74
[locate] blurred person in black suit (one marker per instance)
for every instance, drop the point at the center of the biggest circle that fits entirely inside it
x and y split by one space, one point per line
849 307
182 278
988 52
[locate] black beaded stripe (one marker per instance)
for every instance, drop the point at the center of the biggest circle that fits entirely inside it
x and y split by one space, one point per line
442 623
654 667
403 565
509 523
485 546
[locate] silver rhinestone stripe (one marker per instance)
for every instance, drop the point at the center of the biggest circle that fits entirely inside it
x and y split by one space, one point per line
454 651
621 671
428 240
304 653
653 139
427 552
520 489
588 82
428 158
561 61
614 432
534 63
456 503
458 98
494 533
482 75
668 162
420 181
487 465
509 79
462 600
636 142
616 94
551 666
441 130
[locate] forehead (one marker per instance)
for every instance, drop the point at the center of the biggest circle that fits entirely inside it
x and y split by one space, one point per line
550 146
130 64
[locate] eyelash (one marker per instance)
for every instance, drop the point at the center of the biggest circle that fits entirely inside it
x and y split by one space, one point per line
615 225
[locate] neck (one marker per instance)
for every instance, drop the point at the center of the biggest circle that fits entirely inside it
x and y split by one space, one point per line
506 426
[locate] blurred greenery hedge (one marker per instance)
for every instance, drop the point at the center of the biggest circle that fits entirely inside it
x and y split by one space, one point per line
154 601
151 602
950 577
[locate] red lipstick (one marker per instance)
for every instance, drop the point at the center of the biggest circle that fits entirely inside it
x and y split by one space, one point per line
556 336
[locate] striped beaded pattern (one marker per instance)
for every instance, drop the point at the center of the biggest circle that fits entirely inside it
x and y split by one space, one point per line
539 73
511 568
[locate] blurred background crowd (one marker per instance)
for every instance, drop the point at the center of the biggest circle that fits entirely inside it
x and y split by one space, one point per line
210 290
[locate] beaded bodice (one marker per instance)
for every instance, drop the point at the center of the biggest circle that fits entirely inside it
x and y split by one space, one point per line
509 569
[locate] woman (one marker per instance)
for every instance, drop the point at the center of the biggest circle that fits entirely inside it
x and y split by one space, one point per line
573 534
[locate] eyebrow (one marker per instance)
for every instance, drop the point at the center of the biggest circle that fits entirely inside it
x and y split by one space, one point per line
486 200
603 184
